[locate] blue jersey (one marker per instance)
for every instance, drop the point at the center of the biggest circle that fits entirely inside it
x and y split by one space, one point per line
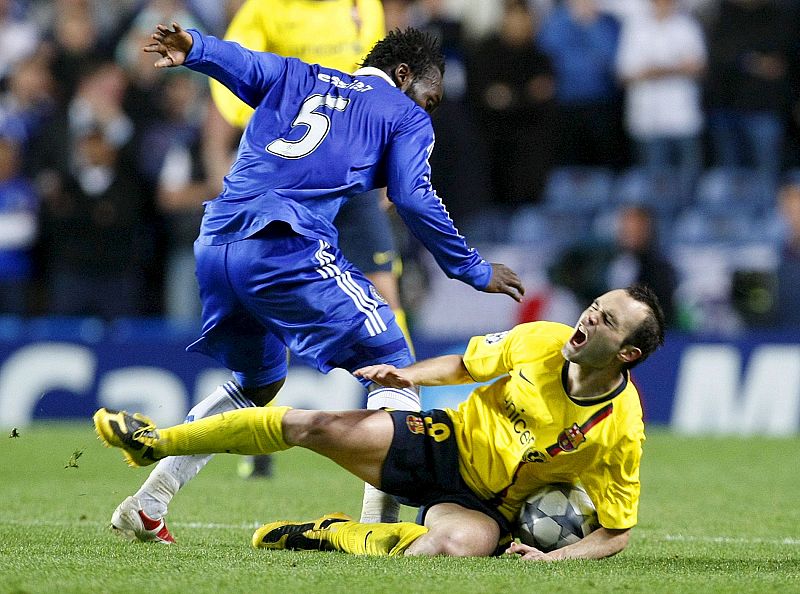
317 137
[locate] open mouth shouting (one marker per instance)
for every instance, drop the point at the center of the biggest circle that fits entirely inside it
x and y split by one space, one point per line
579 338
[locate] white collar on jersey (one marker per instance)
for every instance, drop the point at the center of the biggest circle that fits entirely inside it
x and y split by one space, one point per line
372 71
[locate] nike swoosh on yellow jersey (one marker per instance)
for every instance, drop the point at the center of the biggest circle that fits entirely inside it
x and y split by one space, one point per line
525 378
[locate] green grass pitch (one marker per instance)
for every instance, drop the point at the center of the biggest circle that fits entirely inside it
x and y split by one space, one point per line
717 515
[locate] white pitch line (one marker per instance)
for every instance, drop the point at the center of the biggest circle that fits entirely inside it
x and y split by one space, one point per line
215 526
62 523
731 539
785 541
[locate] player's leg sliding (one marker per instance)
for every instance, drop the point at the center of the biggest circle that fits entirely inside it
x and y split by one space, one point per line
378 506
247 431
330 533
137 516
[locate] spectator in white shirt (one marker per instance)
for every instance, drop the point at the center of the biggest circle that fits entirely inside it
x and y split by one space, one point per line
661 58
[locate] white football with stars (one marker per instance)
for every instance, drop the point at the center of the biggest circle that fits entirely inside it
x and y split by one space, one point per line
556 516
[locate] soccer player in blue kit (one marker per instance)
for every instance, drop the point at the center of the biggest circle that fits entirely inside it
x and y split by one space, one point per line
270 274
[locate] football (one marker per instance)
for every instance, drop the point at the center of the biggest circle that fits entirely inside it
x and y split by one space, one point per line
556 516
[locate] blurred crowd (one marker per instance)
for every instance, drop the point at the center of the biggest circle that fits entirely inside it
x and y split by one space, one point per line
104 163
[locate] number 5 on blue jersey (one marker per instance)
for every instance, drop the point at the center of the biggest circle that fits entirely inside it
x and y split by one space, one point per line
318 125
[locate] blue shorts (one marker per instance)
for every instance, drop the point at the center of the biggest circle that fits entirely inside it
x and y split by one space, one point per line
421 467
278 290
365 233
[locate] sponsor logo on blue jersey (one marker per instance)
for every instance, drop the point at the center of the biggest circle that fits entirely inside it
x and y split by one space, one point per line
337 82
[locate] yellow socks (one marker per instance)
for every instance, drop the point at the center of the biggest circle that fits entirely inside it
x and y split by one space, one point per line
371 539
245 431
402 321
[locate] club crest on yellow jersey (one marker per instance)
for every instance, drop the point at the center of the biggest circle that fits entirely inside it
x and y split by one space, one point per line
415 424
570 438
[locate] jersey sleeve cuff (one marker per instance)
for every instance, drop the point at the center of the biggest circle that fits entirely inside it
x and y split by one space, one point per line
480 276
195 54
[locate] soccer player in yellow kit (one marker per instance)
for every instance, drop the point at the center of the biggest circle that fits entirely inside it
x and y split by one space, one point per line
333 33
561 409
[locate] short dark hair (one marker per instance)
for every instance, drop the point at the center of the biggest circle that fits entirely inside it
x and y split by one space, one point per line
649 335
421 51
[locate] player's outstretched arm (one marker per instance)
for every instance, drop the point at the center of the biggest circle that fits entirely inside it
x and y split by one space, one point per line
173 45
601 543
438 371
505 280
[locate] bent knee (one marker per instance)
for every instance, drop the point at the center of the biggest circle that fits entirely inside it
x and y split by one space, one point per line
456 542
307 427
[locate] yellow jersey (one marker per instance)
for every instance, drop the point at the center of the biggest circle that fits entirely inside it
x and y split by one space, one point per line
334 33
523 430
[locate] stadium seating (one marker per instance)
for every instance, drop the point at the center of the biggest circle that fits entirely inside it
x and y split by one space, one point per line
728 223
549 230
579 190
658 190
699 225
724 188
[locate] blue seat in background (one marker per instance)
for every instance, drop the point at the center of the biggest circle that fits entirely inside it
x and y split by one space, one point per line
772 227
660 191
488 226
701 226
551 230
580 190
723 188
